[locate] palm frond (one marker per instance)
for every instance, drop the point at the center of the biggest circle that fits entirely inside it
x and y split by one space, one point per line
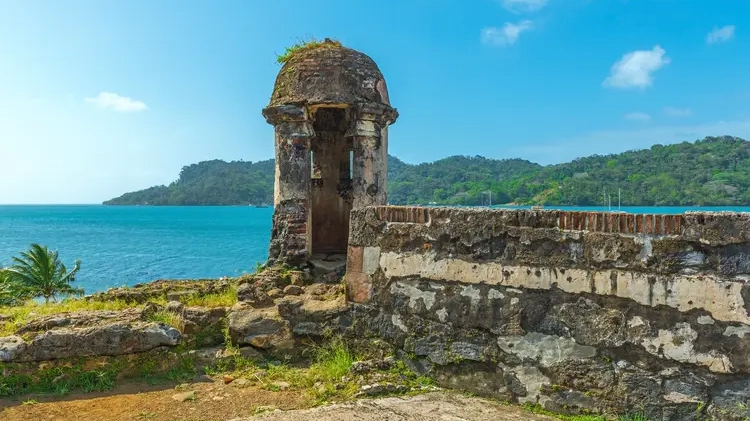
41 272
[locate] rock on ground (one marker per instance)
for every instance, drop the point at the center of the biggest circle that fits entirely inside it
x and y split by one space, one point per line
440 406
114 339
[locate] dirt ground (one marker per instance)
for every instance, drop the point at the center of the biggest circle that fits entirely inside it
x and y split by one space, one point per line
215 401
137 402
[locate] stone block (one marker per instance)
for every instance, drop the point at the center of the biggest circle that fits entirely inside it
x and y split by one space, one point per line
355 259
358 287
370 260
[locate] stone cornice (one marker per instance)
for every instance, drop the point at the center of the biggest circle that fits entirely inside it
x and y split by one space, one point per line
284 113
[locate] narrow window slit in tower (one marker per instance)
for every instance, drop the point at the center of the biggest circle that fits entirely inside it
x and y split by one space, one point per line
351 165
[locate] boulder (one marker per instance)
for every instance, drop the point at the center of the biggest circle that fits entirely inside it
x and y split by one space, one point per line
200 318
113 339
82 319
254 296
269 280
365 367
297 278
11 347
149 309
174 307
317 289
312 317
293 290
204 324
259 328
275 293
207 357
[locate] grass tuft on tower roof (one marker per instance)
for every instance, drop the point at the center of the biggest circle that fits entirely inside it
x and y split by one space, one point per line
304 45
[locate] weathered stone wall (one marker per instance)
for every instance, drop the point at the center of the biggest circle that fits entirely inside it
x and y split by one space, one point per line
575 311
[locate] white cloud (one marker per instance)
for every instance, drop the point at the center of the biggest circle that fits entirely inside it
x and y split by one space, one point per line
634 69
637 116
720 34
507 35
524 5
677 112
109 100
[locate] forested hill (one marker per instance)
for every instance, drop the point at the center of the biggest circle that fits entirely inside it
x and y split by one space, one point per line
213 182
712 171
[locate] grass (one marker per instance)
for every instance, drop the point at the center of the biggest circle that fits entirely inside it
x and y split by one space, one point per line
536 409
321 380
303 45
330 363
60 381
71 376
227 298
169 319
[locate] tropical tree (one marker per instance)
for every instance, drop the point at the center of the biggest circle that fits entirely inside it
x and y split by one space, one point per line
40 273
9 293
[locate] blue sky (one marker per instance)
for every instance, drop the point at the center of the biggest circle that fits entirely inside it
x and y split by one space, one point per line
102 97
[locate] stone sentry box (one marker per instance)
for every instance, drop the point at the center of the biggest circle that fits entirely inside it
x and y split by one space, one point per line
574 311
331 112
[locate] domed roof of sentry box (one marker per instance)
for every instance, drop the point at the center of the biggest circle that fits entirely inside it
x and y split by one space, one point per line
328 73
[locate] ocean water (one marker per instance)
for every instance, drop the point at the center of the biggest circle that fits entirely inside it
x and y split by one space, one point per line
125 245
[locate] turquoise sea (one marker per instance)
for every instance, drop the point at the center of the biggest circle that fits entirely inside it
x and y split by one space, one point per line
132 244
125 245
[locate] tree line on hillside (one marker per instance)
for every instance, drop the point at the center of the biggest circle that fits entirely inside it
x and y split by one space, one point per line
213 182
711 171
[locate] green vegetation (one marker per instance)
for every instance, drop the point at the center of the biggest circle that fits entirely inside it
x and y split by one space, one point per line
712 171
226 298
38 273
210 183
302 45
536 409
322 378
169 319
458 180
67 376
9 293
59 380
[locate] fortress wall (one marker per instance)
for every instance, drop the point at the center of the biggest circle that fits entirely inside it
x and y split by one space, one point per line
575 311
